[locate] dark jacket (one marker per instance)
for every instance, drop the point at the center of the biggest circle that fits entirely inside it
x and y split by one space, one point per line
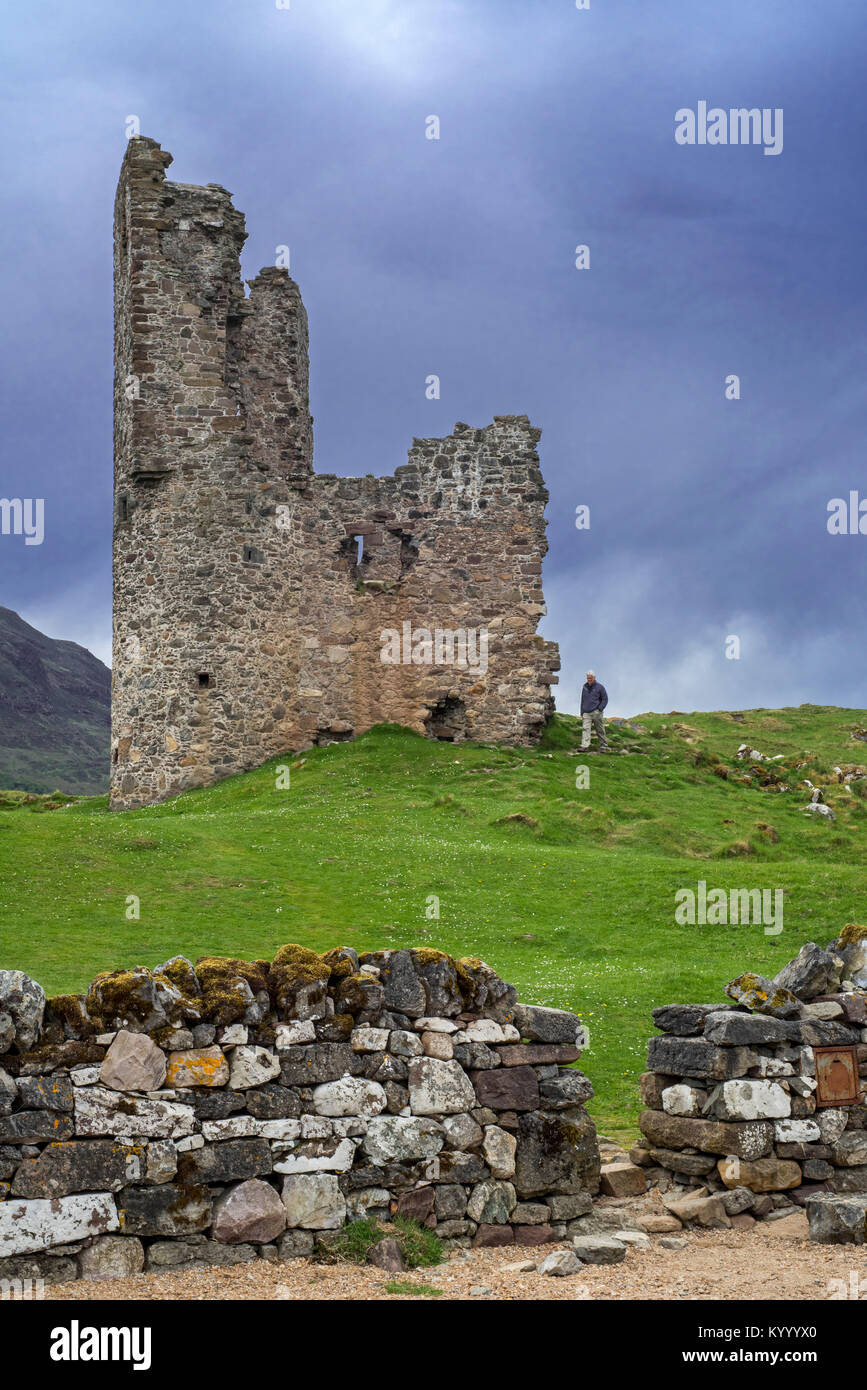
593 696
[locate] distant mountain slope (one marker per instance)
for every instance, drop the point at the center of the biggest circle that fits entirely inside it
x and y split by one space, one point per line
54 712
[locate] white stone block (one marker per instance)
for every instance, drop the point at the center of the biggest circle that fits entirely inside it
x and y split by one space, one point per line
402 1139
100 1111
293 1034
252 1066
313 1201
315 1127
752 1100
233 1127
774 1066
279 1129
348 1126
351 1095
484 1030
498 1150
796 1132
683 1100
27 1226
369 1039
233 1035
439 1088
85 1076
193 1141
325 1156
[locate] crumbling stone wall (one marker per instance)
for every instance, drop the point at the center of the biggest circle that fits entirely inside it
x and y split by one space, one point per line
245 623
229 1110
732 1129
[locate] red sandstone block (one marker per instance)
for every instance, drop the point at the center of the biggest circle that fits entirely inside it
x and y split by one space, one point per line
494 1235
534 1235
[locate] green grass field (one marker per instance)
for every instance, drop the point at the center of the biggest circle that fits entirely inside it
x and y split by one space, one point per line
567 892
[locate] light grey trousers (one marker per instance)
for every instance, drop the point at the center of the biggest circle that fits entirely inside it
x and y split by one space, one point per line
593 720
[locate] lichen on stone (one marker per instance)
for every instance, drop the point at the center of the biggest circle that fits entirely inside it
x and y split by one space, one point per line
228 986
119 994
426 955
182 974
293 969
162 1036
340 961
298 965
851 933
358 992
467 968
71 1011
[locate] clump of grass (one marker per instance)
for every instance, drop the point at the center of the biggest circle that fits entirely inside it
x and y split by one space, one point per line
35 801
518 818
353 1242
768 831
738 849
699 757
419 1245
405 1289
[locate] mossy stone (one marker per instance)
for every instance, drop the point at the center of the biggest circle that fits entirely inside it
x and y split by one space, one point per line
851 933
341 961
229 986
71 1011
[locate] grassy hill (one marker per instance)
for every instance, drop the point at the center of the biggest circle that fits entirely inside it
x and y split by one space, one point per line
54 712
568 893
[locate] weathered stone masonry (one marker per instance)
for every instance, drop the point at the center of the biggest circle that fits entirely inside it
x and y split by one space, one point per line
231 1110
245 623
734 1127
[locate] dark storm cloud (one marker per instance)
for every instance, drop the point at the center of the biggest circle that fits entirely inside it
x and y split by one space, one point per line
456 257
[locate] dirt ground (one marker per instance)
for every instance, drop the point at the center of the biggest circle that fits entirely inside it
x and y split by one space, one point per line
723 1264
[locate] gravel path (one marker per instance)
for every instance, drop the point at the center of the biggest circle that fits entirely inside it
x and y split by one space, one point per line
712 1265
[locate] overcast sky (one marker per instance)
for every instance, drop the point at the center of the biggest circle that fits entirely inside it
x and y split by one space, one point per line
457 257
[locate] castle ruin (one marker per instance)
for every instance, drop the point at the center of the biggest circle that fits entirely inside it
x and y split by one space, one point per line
251 595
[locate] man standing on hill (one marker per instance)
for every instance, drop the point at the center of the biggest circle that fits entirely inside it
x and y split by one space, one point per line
594 698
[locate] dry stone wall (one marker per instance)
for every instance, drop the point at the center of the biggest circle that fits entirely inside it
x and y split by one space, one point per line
231 1110
250 594
732 1128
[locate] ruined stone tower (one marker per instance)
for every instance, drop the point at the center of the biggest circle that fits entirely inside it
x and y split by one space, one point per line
252 597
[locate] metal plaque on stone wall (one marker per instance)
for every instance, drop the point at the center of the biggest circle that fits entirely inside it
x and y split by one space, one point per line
837 1081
